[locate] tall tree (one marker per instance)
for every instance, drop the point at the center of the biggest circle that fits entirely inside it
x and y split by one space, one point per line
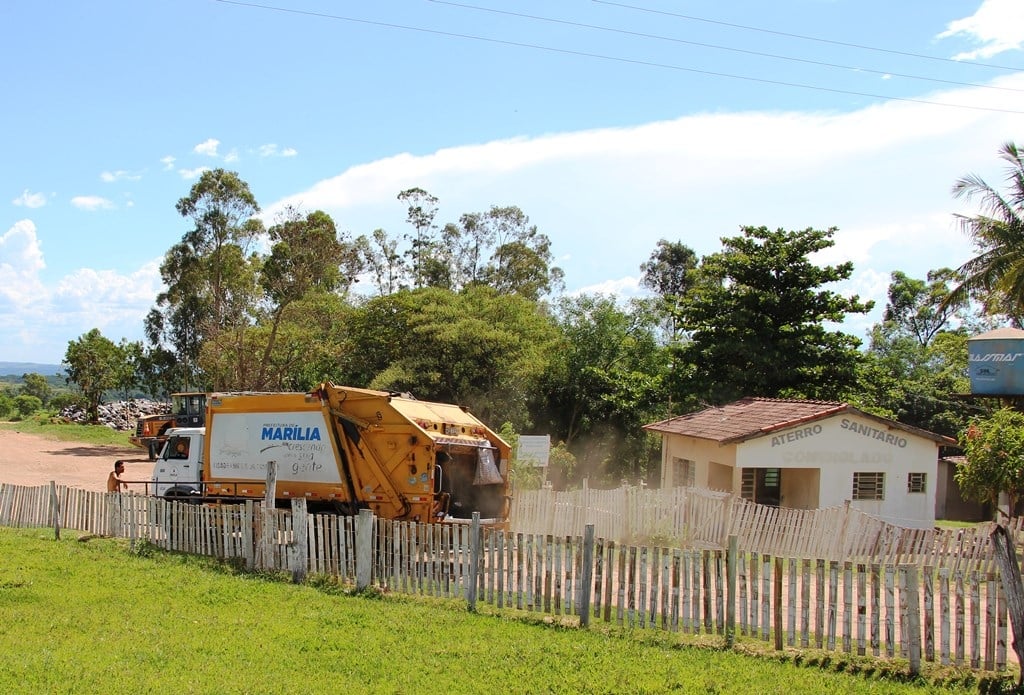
521 262
129 373
210 275
916 362
36 385
477 348
420 213
306 256
669 273
93 363
603 383
756 320
920 308
996 274
382 260
994 449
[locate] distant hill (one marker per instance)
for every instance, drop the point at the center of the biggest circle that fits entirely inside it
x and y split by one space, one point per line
19 368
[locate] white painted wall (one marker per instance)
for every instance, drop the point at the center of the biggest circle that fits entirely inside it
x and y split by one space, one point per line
839 446
818 461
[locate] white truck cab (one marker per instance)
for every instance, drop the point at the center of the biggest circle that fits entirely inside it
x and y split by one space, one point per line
179 468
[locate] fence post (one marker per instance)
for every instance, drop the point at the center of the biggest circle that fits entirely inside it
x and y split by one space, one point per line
111 502
730 590
474 563
300 546
587 575
266 535
777 592
270 492
914 620
364 548
55 510
627 512
248 543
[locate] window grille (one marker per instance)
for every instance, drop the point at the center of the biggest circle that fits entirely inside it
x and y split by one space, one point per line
684 473
747 482
868 486
916 482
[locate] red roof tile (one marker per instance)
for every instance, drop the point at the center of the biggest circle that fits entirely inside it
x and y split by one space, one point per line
752 417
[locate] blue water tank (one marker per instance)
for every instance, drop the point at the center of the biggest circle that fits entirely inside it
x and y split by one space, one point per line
995 361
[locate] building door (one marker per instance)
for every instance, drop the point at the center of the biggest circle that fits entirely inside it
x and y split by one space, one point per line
762 485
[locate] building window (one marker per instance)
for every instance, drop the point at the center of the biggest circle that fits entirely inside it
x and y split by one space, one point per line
747 483
684 472
916 482
869 486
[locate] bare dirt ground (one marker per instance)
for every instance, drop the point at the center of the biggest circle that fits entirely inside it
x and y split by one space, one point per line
27 459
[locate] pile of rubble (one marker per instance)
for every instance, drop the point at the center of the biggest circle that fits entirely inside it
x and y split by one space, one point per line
119 415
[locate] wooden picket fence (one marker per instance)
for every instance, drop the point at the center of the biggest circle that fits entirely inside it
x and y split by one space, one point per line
688 517
918 612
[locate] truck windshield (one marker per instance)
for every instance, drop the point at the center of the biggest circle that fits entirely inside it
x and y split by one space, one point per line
176 448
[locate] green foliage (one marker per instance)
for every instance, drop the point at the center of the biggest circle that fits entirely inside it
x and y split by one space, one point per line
7 407
94 364
996 275
477 348
65 399
561 465
498 248
994 447
36 385
756 317
26 404
669 273
603 383
916 363
307 259
210 277
920 309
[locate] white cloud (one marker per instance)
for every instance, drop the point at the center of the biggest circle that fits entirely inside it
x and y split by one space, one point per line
192 173
207 147
273 150
88 289
40 319
91 203
168 162
231 157
998 25
21 260
119 175
881 174
20 248
623 287
30 200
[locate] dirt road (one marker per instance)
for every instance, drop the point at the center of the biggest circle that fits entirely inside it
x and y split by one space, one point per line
27 459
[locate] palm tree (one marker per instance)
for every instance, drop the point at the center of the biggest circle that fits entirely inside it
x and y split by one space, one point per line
996 274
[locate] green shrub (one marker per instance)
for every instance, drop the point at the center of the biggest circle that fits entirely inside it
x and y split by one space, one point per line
26 404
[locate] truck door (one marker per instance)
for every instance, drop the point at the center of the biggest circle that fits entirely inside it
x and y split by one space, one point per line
178 471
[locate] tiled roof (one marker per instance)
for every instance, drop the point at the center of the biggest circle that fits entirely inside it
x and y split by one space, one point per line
752 417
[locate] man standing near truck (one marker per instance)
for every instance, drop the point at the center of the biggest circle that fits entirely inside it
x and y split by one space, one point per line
114 481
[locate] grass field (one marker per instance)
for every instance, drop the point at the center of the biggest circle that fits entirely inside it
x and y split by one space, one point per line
68 431
95 617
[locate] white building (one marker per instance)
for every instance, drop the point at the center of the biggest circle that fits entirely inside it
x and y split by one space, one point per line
806 455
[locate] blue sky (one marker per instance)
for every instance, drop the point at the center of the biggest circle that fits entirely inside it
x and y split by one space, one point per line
611 124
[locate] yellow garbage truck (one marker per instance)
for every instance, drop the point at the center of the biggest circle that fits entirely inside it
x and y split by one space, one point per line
342 449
